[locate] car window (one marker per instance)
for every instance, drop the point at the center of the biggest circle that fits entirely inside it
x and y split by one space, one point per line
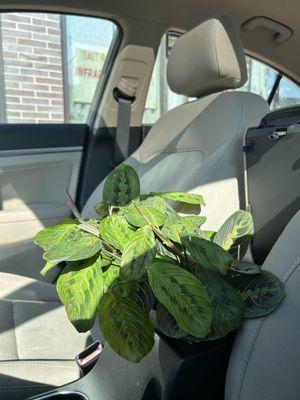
287 94
261 80
51 65
160 97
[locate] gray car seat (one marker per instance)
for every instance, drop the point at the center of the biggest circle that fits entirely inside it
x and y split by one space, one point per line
265 361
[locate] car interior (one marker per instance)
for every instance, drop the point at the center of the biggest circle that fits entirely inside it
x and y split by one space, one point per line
198 96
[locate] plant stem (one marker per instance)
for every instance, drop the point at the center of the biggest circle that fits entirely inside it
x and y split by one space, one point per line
165 240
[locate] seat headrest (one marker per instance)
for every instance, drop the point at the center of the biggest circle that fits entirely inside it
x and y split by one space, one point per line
207 59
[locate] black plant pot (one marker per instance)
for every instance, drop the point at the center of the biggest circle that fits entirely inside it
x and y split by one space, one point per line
194 370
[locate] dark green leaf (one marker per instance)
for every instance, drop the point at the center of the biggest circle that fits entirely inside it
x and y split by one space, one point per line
110 276
183 295
143 296
245 267
138 254
236 233
228 305
143 215
80 287
181 197
167 323
262 293
121 186
126 327
67 242
115 230
208 254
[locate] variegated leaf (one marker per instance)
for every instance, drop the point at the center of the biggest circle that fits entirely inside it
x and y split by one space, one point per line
126 327
121 186
143 214
262 293
182 197
80 287
245 267
228 305
176 226
47 267
167 323
143 296
236 233
183 295
67 242
138 254
208 254
110 276
115 230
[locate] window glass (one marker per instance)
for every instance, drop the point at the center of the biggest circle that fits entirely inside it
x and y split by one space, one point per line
287 94
160 97
261 79
52 64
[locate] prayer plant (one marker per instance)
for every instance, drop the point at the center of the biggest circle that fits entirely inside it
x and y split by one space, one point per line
141 264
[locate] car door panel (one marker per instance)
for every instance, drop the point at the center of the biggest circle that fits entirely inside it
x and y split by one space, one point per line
36 164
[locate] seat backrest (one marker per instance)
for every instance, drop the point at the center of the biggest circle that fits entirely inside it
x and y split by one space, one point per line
197 146
265 361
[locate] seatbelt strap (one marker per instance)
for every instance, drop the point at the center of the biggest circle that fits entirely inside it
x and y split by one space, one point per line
123 130
124 94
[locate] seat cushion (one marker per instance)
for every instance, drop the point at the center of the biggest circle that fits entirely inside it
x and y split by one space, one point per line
38 344
17 287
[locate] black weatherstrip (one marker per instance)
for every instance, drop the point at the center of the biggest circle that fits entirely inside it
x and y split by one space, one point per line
41 136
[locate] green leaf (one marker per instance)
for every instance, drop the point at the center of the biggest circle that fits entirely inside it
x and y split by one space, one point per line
110 276
181 197
67 242
209 235
236 233
158 203
262 293
245 267
167 323
80 287
126 327
143 215
208 254
176 226
138 254
47 267
143 296
183 295
228 305
121 186
115 230
46 237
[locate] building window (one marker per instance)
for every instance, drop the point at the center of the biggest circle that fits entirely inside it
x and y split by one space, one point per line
51 66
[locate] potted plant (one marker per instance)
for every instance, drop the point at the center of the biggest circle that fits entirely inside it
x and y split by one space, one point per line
140 257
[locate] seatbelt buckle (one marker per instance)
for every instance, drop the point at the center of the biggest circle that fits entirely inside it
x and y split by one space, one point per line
89 356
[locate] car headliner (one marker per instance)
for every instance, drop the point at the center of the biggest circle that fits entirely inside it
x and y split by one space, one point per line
183 14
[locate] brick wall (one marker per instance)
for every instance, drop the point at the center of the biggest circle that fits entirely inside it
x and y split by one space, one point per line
32 58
